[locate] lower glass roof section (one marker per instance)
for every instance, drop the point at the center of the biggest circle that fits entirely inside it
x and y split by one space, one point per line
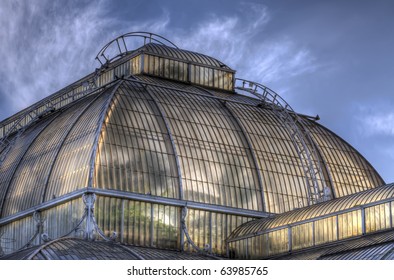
378 246
344 218
81 249
367 198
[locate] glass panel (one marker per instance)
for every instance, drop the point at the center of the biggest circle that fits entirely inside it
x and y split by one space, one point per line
11 162
377 217
166 227
122 70
278 160
198 225
326 230
350 172
157 69
349 224
192 73
216 163
151 64
62 219
302 236
216 78
392 214
71 168
228 81
182 72
206 76
135 152
218 233
210 77
166 68
15 235
135 65
259 247
200 75
64 139
209 230
278 241
146 63
136 217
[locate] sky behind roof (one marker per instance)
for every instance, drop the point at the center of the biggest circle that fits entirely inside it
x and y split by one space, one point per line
332 58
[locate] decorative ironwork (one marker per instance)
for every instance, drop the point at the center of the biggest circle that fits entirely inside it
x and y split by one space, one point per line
4 241
189 241
39 220
88 200
91 228
186 232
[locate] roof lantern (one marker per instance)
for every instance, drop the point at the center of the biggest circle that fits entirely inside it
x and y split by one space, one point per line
160 57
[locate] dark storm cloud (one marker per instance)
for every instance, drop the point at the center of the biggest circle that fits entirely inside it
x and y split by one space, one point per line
331 58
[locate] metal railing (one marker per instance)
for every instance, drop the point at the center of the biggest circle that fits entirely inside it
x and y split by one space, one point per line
121 49
18 124
13 129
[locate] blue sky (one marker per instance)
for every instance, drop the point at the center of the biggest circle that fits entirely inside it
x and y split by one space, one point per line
332 58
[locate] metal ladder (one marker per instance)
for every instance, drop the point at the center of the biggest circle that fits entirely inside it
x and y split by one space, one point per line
300 136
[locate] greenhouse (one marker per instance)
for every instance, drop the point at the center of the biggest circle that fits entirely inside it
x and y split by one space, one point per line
163 153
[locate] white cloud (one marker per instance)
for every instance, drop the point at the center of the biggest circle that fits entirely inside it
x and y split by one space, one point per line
46 45
156 25
377 124
239 41
40 41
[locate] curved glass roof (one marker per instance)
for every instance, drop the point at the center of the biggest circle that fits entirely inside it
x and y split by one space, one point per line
183 55
376 252
151 147
321 210
238 155
379 246
52 158
80 249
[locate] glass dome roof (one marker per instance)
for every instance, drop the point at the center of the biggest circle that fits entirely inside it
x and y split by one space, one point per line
176 158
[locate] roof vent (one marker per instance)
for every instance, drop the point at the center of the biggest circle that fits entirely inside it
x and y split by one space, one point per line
121 45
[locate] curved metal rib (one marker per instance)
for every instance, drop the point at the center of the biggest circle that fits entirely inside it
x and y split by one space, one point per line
249 143
41 109
170 135
253 154
2 202
98 131
18 128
